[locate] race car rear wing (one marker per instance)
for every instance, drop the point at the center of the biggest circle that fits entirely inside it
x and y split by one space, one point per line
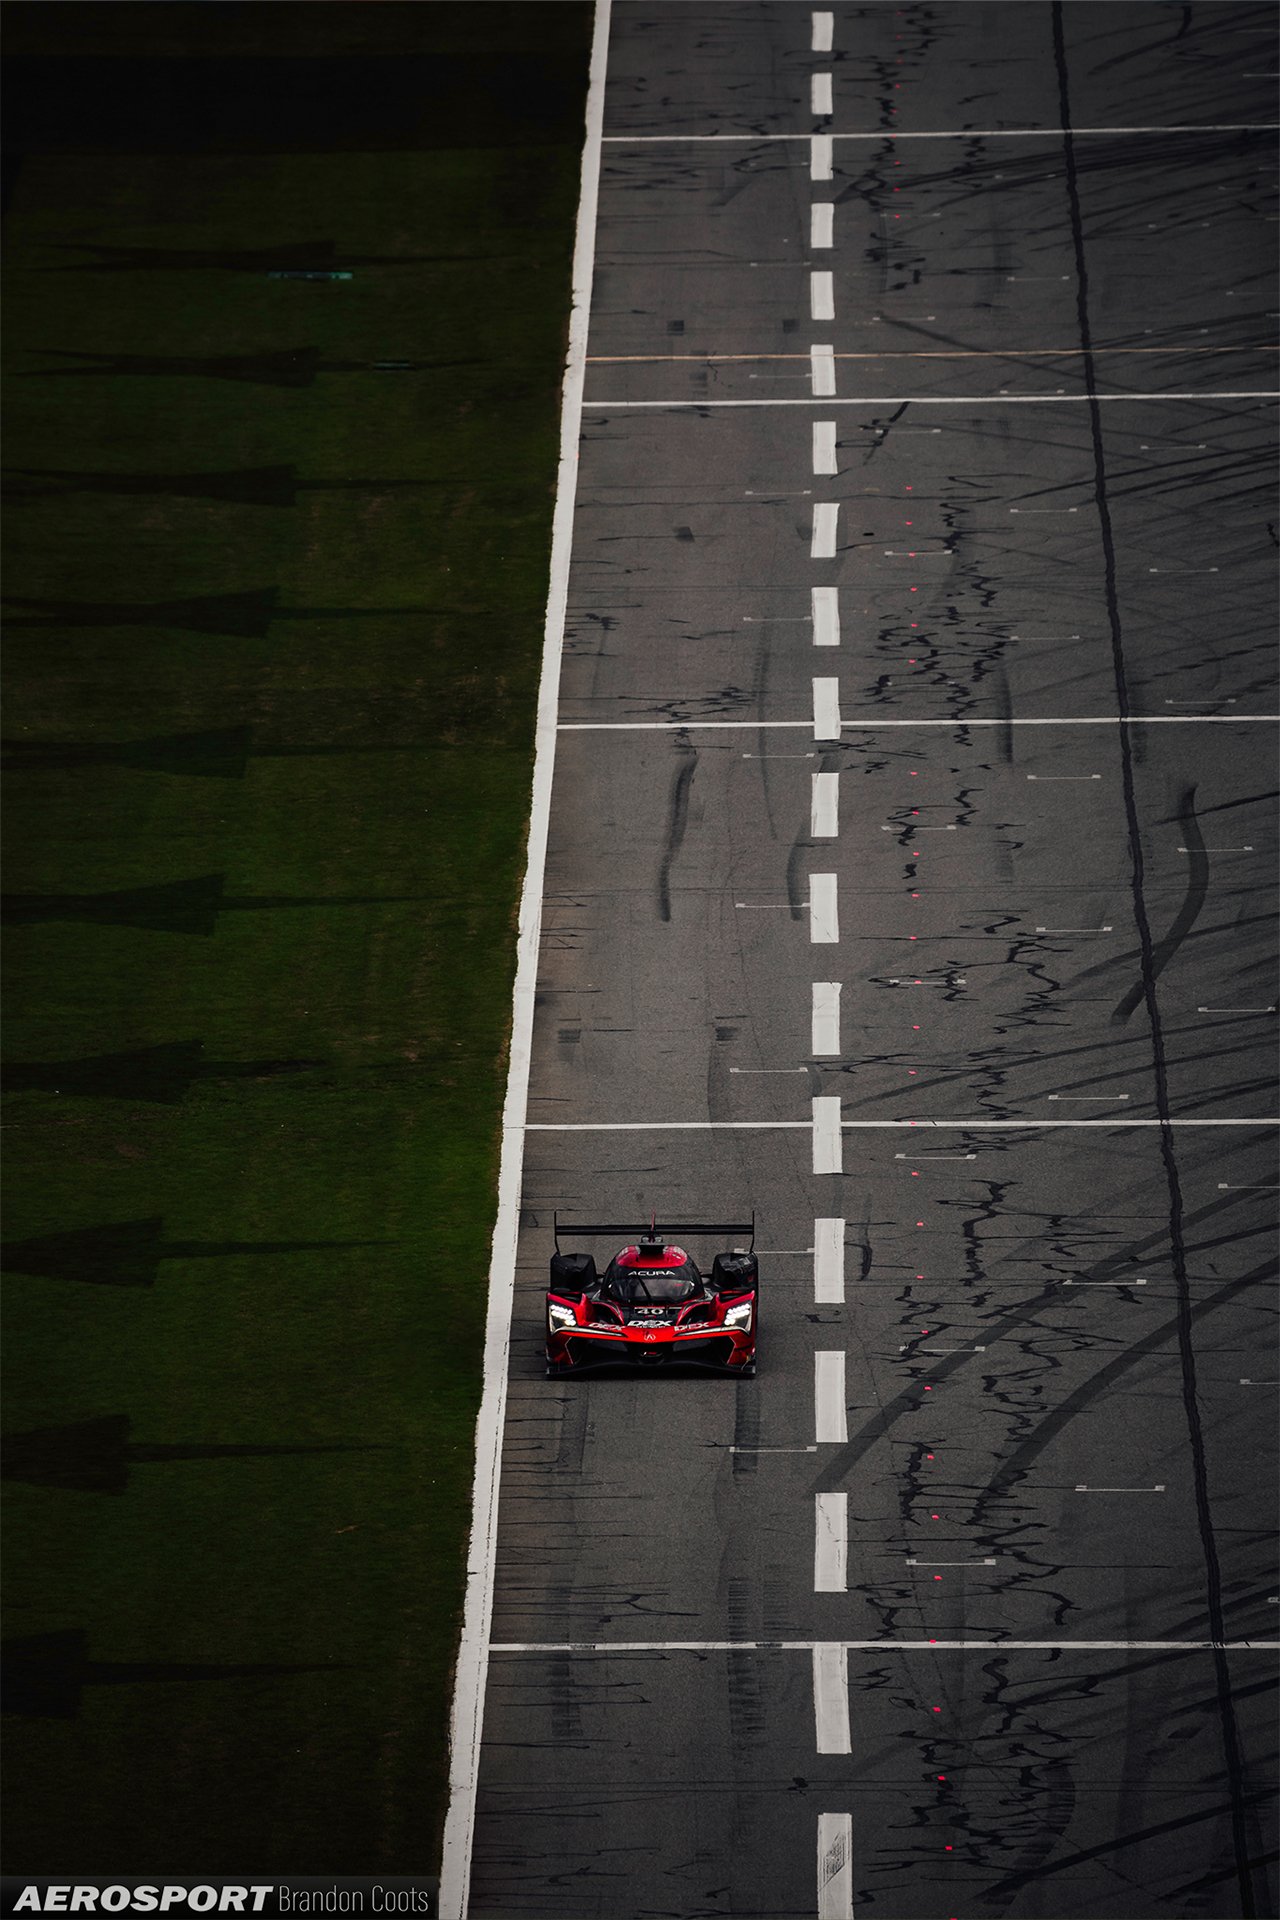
649 1233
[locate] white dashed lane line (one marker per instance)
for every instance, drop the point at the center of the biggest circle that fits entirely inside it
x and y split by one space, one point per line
823 32
826 709
828 1262
824 906
824 447
825 605
828 1135
822 544
820 157
830 1419
822 372
835 1866
820 103
824 811
822 296
830 1542
822 224
831 1696
825 1022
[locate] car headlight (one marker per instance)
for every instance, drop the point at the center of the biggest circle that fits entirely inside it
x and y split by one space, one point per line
739 1316
560 1316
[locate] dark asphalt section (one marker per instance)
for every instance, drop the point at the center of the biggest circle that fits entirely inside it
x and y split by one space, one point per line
1087 931
969 563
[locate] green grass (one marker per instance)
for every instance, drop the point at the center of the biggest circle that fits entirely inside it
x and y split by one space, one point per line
263 860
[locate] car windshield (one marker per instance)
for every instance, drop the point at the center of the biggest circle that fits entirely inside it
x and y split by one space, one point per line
663 1286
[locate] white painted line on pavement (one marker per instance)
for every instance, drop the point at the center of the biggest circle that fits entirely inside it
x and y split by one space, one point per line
824 808
830 1541
944 399
1104 720
831 1696
822 372
1104 1283
825 1021
822 296
1225 1187
822 545
825 604
824 447
820 105
821 155
824 909
830 1418
1156 1489
826 709
885 1645
943 133
828 1262
835 1866
822 224
467 1714
913 1562
828 1137
823 29
829 1122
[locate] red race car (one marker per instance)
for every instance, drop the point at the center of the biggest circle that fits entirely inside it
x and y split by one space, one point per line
652 1307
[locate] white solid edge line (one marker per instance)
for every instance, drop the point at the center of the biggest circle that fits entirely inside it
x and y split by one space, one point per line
830 1542
835 1866
831 1696
824 902
828 1262
948 133
824 806
830 1416
467 1716
941 400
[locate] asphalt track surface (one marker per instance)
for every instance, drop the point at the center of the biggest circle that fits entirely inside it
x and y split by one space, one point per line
976 1614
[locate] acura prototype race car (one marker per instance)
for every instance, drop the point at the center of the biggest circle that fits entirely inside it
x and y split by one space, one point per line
652 1307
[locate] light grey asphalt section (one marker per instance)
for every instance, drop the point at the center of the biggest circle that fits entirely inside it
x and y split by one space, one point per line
1039 921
